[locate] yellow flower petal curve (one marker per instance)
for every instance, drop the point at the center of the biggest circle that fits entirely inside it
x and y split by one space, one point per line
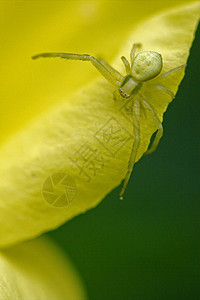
68 160
31 26
38 270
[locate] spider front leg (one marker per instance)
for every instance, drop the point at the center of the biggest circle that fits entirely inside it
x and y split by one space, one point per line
106 70
136 143
112 70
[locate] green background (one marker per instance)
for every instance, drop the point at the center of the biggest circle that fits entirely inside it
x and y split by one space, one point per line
147 246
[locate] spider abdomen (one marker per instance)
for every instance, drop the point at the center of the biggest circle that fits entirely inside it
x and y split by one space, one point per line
146 65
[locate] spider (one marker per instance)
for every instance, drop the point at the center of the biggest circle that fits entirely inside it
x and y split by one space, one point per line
144 66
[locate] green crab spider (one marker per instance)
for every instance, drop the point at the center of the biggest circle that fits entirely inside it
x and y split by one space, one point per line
143 67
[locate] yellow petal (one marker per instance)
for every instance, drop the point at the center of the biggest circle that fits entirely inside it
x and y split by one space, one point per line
27 27
38 270
69 159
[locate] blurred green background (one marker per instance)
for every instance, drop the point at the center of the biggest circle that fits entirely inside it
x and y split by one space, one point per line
147 246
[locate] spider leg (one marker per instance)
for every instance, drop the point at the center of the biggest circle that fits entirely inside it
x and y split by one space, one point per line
135 147
167 91
108 73
160 128
172 71
164 75
127 65
132 54
171 94
112 70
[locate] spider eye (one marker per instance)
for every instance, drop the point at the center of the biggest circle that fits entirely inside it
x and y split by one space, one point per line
146 65
126 95
123 94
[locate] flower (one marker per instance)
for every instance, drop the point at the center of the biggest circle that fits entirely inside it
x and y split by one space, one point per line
61 163
38 270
